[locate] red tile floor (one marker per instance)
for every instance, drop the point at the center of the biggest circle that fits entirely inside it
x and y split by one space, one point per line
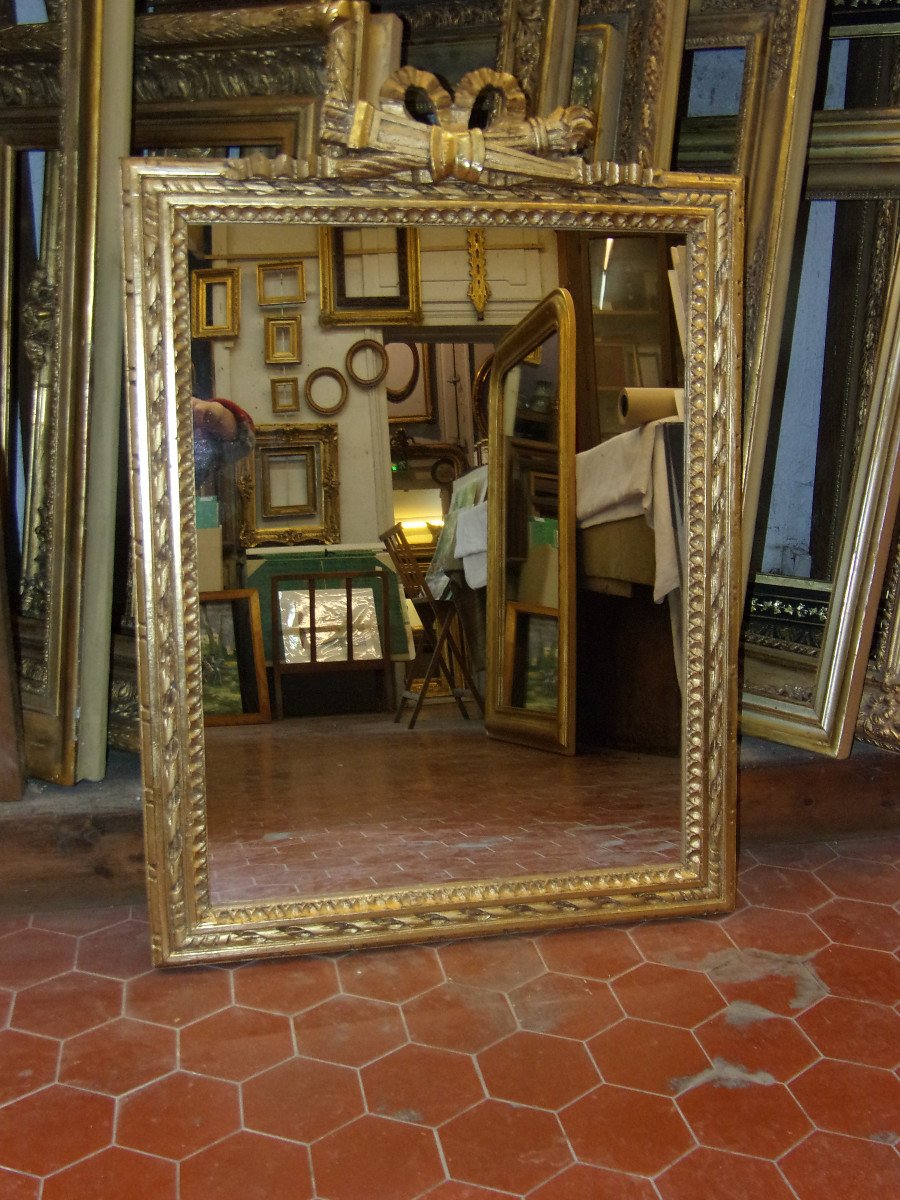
749 1056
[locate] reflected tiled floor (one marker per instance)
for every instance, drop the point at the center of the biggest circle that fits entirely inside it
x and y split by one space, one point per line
295 808
748 1057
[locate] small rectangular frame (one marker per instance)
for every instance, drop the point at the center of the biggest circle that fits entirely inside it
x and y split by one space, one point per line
522 683
236 669
215 302
280 282
282 339
339 308
285 394
272 457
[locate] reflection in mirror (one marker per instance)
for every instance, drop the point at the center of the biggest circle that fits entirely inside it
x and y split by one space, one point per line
531 596
336 808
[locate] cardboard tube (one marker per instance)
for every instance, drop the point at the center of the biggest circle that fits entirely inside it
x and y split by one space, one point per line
640 405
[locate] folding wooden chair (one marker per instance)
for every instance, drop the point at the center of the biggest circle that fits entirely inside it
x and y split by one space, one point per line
439 643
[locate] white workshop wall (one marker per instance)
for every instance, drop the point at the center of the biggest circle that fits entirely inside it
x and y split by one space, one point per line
521 269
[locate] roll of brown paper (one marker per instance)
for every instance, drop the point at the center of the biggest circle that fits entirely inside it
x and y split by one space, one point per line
640 405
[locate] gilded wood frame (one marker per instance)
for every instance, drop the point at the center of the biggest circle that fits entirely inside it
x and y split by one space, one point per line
200 79
811 702
163 200
816 705
318 445
553 730
781 38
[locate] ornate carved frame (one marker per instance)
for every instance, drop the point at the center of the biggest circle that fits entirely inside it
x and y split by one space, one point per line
377 186
535 44
781 39
253 75
815 705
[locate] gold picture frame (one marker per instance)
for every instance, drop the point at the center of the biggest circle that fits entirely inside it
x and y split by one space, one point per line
264 522
216 302
235 687
283 343
280 283
341 305
285 392
164 201
279 461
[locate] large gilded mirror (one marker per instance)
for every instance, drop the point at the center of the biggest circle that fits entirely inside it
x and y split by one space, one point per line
328 828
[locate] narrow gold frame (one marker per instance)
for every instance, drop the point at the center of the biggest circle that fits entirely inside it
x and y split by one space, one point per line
164 200
781 38
293 384
265 269
265 457
326 410
550 730
273 326
203 324
263 714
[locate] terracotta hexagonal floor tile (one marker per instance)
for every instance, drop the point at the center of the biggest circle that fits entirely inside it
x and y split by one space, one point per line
67 1005
178 1115
848 1098
537 1069
854 1030
458 1018
820 1167
453 1190
118 1057
859 880
859 974
18 1187
246 1165
783 887
236 1043
756 1040
122 951
775 931
177 997
883 847
302 1099
496 963
286 986
50 1129
859 923
681 943
6 1003
592 953
504 1146
601 1128
26 1063
115 1172
593 1183
565 1005
803 856
33 955
421 1084
648 1056
757 1118
78 921
349 1030
716 1176
667 994
374 1157
391 974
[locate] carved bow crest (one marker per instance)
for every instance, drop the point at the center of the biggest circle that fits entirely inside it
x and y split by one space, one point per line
481 129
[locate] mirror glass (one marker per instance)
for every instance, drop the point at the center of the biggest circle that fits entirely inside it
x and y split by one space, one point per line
335 803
